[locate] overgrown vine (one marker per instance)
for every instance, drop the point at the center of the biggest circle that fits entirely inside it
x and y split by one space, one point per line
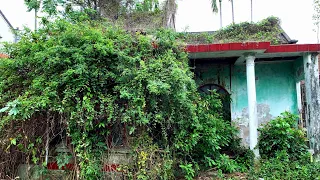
77 78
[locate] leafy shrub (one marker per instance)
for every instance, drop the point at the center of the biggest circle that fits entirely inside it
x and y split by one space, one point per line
86 76
284 152
282 134
244 158
149 161
281 167
219 145
188 170
226 164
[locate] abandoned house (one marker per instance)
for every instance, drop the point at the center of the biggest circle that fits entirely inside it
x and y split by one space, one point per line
7 31
259 81
262 81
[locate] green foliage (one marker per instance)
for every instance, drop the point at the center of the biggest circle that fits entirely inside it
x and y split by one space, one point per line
63 159
265 30
47 6
147 5
281 167
188 171
131 14
226 164
91 75
148 160
244 158
50 7
282 134
284 152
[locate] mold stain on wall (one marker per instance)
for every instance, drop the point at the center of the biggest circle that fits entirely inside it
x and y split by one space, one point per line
275 87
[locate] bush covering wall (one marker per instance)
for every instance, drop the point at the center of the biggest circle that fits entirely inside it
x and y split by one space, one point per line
83 77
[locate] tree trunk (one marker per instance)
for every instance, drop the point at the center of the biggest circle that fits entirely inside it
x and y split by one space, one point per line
170 10
232 11
35 19
109 8
251 11
318 32
220 8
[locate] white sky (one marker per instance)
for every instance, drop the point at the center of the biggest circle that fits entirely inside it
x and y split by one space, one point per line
196 15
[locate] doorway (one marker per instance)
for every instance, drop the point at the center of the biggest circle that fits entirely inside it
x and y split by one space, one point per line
207 89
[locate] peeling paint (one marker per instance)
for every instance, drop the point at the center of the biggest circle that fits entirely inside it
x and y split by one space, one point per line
263 111
313 100
214 74
264 116
299 69
276 93
275 88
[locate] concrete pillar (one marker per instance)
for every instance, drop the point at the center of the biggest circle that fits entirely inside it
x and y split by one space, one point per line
298 89
252 103
299 102
311 69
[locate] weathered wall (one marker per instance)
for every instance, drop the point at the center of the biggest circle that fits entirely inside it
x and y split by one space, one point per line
311 70
5 32
298 69
214 74
275 86
276 93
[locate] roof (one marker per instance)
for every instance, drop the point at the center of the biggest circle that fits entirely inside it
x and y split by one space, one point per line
263 50
13 30
253 46
6 20
3 56
285 39
283 36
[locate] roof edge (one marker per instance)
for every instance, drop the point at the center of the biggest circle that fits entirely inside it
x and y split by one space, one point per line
6 20
227 47
3 55
283 48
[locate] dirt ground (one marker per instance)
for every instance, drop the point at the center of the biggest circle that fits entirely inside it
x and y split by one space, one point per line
210 175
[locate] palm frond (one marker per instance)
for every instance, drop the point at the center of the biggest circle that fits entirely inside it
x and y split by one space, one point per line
214 6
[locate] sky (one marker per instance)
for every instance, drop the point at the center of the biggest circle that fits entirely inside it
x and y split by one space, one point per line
196 15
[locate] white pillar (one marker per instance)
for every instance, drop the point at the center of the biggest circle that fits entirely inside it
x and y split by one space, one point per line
299 102
298 89
252 104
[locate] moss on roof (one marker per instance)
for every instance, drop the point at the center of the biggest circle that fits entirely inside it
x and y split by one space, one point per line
266 30
3 55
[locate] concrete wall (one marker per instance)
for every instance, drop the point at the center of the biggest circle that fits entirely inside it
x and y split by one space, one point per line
5 32
214 74
298 69
275 85
276 93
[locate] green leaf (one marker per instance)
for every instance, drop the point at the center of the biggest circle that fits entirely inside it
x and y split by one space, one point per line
132 129
13 111
4 109
13 141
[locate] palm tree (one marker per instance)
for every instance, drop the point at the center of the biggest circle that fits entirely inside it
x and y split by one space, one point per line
251 11
215 9
232 11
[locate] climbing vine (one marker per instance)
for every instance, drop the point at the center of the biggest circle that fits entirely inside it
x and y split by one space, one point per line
83 77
